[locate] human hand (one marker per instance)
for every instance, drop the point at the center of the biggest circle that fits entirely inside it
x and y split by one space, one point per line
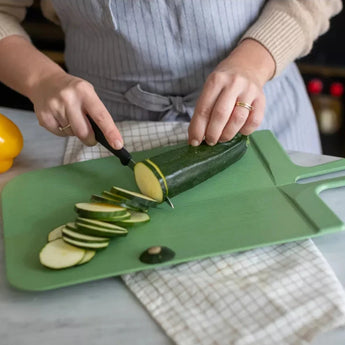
238 78
61 100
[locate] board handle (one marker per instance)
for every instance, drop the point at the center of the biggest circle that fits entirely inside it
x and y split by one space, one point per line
306 198
279 165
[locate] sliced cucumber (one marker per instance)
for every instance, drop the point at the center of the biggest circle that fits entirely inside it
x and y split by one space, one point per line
85 245
107 200
98 223
98 210
104 198
56 233
135 219
135 205
108 194
127 215
58 254
94 230
81 237
89 254
133 196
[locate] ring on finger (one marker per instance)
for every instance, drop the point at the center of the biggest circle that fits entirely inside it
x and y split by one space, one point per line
245 105
61 129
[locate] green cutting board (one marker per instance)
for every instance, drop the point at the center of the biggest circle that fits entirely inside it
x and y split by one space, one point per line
255 202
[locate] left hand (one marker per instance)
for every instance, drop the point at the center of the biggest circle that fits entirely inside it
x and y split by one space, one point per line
238 78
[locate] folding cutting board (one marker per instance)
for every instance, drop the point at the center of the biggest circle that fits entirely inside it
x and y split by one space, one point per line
255 202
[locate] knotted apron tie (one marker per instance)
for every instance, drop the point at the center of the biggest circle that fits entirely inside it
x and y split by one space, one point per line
173 108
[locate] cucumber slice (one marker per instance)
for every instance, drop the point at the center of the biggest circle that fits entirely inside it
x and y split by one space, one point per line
59 254
81 237
132 204
89 254
133 196
108 194
125 216
107 200
94 230
98 223
85 245
135 219
56 233
99 210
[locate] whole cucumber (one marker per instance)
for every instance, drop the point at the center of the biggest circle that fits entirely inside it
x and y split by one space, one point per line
175 171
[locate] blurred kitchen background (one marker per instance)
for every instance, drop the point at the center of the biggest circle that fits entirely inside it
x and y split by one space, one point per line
323 71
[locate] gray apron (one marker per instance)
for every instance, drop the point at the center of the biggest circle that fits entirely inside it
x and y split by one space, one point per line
148 60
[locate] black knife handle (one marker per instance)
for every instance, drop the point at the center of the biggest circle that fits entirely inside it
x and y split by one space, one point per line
122 154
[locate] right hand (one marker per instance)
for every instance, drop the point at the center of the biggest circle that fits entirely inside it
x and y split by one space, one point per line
61 99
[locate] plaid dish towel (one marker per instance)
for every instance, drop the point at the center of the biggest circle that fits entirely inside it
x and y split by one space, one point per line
282 294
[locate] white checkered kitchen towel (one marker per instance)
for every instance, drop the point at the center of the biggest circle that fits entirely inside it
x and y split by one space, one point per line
283 294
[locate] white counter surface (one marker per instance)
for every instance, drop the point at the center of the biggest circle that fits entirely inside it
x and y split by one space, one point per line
105 311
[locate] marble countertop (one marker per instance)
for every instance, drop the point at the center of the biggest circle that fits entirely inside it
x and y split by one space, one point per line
105 311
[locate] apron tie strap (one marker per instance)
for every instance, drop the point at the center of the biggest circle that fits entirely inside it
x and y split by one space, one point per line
174 107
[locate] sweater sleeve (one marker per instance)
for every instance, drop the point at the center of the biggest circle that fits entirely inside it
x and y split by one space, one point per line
12 12
288 28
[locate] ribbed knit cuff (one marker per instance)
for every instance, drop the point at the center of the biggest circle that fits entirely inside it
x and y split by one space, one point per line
10 26
281 35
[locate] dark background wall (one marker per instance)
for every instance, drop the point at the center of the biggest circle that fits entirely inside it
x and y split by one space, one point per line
323 71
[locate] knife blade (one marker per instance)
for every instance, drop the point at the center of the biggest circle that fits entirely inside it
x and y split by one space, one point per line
124 156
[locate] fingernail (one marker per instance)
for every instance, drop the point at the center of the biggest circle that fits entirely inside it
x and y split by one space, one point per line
117 145
211 143
194 142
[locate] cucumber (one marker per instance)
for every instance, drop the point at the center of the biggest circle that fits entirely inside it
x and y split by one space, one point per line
138 198
127 215
89 254
135 205
85 245
99 210
68 232
93 230
105 200
98 223
56 233
114 201
114 197
135 219
58 254
173 172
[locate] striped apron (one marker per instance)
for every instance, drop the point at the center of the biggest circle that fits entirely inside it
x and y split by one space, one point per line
148 60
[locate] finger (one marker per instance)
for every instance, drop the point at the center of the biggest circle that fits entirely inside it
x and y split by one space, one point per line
58 112
237 119
255 117
220 116
50 123
203 111
66 130
80 126
94 107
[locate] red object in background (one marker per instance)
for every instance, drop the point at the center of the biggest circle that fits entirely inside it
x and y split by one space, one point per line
336 89
315 86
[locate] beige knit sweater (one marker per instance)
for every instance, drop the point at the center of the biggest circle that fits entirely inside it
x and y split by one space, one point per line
287 28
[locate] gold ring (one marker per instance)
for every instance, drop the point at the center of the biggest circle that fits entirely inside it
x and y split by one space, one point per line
61 129
245 105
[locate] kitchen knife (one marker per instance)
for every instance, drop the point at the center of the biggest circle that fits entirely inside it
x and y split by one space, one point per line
124 156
